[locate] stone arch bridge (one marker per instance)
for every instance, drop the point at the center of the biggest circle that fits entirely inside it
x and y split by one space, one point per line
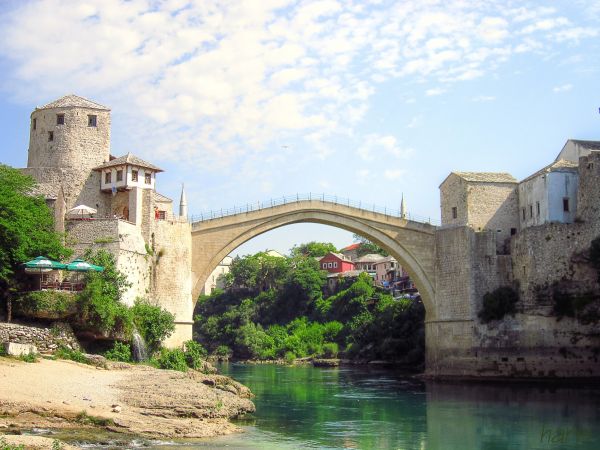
411 242
440 261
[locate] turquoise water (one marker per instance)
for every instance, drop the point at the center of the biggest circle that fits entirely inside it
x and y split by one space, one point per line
348 408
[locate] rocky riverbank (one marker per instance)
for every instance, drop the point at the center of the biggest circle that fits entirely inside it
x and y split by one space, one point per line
122 398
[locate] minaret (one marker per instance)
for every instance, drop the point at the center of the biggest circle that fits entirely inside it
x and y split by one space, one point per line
183 211
402 208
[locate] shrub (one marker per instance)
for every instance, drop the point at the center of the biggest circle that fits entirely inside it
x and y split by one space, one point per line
64 352
194 354
289 357
152 322
222 351
119 352
172 360
46 303
29 358
498 303
102 311
330 350
2 349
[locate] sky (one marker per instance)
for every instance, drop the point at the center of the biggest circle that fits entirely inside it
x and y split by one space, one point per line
248 100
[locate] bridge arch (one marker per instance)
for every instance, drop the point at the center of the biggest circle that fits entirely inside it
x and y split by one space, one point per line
410 242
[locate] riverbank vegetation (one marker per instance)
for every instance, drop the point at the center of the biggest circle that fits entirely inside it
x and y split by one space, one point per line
275 307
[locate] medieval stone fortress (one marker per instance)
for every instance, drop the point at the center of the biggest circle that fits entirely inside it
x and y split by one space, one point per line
533 236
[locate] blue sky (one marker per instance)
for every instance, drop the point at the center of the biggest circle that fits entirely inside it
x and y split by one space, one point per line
248 100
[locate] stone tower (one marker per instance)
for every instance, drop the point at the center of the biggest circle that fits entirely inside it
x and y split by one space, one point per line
68 138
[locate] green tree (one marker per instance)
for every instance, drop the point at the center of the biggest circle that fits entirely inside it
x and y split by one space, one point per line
367 247
26 229
313 248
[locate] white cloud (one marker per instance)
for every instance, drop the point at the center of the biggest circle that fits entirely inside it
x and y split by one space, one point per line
434 91
209 83
377 145
562 88
415 121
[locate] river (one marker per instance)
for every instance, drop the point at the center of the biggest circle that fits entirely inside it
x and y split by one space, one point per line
368 408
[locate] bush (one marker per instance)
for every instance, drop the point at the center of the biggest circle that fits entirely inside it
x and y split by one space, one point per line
153 323
330 350
195 354
2 349
498 303
46 304
73 355
102 311
222 351
172 360
289 357
119 352
29 358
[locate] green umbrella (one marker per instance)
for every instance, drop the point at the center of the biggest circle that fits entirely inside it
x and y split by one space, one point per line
42 264
79 265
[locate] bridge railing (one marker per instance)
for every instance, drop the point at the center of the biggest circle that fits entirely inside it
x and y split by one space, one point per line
325 198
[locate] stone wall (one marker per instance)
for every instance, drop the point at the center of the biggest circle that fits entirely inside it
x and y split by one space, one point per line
453 194
172 267
46 339
495 207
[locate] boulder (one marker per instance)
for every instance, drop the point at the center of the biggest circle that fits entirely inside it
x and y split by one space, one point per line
15 349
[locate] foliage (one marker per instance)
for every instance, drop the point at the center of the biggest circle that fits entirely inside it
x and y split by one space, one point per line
49 302
114 282
257 273
29 358
6 446
498 303
152 322
85 419
64 352
3 350
313 249
368 247
174 359
26 228
100 310
222 351
293 318
585 307
330 350
119 352
195 354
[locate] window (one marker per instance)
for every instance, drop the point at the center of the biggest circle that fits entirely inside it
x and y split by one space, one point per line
566 204
324 265
523 211
92 121
134 175
60 119
107 178
50 136
34 124
537 208
335 264
162 215
454 212
119 175
530 211
148 178
329 265
513 231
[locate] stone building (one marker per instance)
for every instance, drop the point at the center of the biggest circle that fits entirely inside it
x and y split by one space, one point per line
482 201
70 158
576 148
549 195
215 279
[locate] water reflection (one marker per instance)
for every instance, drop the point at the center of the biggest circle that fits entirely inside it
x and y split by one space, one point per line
364 408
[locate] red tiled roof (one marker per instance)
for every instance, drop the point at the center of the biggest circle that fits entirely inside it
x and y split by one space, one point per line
351 247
